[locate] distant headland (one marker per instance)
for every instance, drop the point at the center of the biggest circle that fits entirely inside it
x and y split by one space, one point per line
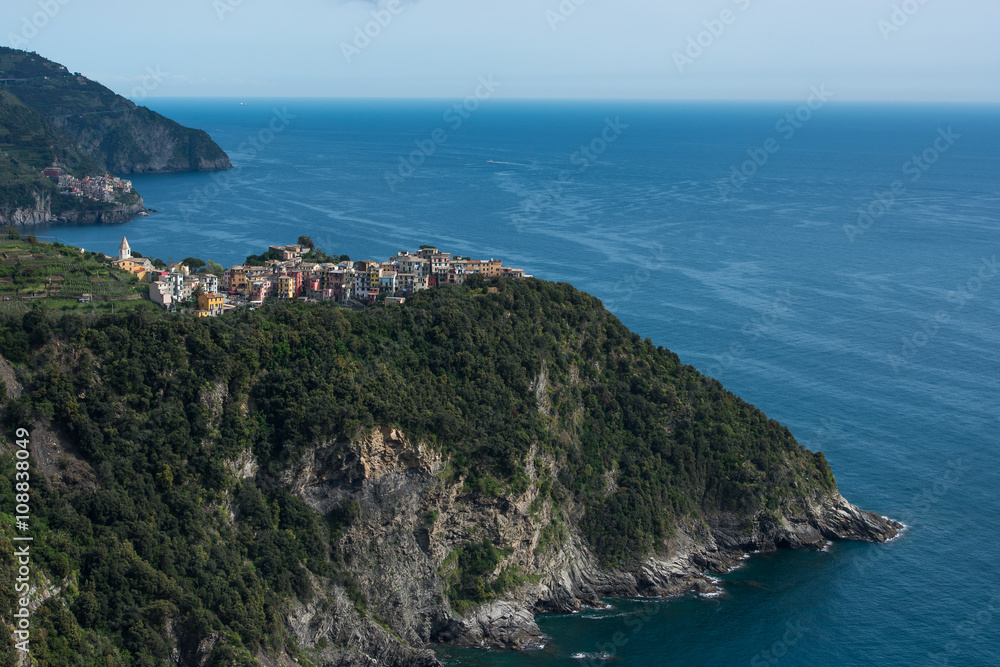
51 118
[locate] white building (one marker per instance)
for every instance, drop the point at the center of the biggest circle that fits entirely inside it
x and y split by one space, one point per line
160 293
209 282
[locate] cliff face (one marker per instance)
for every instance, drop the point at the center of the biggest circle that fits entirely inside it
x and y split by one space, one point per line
50 117
41 212
396 555
136 140
119 136
350 486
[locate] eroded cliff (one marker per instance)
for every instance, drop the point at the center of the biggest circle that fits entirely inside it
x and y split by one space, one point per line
306 482
411 517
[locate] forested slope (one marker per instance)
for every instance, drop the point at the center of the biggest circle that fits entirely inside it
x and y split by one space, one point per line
210 480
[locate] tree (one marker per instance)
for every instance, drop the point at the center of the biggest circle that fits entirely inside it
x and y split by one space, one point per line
307 241
193 263
214 268
344 258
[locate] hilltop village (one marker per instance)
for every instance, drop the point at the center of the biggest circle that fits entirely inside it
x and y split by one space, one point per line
105 188
300 271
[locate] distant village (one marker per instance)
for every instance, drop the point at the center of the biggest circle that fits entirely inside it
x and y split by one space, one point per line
105 188
293 272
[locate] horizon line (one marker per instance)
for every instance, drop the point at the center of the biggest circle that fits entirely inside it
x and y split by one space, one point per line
647 100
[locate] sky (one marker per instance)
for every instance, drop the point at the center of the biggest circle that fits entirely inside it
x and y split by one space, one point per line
865 50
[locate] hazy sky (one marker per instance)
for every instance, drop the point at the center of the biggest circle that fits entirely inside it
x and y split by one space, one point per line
947 50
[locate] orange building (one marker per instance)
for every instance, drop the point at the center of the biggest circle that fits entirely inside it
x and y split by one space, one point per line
492 268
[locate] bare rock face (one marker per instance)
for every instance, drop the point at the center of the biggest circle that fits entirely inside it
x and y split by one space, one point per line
842 520
9 377
59 459
336 634
411 516
41 213
497 624
54 451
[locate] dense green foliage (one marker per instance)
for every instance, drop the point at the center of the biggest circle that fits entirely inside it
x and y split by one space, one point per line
471 578
641 442
314 255
28 144
114 132
262 258
30 139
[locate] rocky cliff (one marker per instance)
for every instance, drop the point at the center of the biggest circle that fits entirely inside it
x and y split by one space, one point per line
136 140
396 552
50 117
41 212
121 137
311 483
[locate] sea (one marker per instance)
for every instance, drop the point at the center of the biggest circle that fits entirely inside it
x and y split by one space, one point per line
834 264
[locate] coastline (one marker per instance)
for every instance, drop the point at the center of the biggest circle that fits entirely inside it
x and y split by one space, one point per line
41 214
661 578
397 482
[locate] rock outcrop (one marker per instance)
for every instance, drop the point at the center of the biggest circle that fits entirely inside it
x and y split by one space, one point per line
41 213
137 140
110 130
411 516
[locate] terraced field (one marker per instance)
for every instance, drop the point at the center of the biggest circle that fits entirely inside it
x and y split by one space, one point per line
63 277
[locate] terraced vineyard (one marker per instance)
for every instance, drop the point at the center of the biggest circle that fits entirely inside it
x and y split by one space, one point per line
62 276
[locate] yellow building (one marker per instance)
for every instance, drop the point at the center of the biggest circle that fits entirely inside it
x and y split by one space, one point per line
286 287
209 305
137 266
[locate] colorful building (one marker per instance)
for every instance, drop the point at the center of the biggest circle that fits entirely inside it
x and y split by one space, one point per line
286 287
209 305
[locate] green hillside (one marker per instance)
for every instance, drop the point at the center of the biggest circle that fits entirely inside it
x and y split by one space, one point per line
60 276
27 138
116 134
166 534
28 144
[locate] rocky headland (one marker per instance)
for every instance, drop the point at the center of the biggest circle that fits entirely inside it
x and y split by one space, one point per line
397 555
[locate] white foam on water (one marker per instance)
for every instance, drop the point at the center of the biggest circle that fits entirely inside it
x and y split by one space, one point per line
603 655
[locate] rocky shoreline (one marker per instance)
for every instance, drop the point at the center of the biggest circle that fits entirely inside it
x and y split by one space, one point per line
510 624
395 558
388 603
41 214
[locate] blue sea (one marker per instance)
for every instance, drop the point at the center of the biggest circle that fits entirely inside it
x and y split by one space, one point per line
837 268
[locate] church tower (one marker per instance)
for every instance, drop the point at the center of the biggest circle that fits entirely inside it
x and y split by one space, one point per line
124 251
